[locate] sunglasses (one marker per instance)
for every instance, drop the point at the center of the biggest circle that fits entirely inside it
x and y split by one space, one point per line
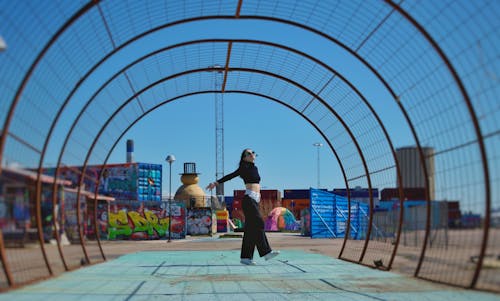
250 153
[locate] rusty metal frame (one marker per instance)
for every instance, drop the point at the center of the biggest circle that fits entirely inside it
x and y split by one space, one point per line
396 7
299 53
81 12
85 163
479 135
10 115
230 92
194 42
5 264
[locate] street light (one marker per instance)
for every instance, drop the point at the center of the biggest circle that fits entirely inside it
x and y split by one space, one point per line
318 145
3 45
170 159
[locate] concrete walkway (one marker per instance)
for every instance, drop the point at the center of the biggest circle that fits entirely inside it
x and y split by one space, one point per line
218 275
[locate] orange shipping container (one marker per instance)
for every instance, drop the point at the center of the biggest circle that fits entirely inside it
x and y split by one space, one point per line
296 205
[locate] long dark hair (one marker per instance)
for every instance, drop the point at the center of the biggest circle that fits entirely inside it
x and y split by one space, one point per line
243 155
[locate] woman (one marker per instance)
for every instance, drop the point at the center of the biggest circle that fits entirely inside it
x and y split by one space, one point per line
254 234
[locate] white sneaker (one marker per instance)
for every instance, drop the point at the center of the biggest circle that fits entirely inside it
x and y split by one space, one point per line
271 255
247 261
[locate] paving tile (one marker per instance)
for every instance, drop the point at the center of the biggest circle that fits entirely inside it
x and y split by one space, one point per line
218 275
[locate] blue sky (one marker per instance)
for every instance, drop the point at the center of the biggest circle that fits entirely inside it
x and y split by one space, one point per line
186 128
283 140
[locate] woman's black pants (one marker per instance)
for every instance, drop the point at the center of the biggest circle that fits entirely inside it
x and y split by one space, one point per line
254 235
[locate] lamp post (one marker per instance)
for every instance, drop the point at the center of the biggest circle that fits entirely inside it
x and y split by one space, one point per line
170 159
318 145
3 45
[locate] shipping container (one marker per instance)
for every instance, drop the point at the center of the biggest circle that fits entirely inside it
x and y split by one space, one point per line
296 193
238 217
359 194
329 214
269 199
238 193
295 205
228 200
264 194
409 194
270 194
470 220
237 203
149 182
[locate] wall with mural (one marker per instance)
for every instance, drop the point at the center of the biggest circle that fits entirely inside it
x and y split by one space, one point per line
145 220
70 217
199 221
102 219
126 181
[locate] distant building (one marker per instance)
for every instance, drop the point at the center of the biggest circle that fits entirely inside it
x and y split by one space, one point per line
412 172
123 181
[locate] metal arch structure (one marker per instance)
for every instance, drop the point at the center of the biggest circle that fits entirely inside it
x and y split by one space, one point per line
23 146
127 67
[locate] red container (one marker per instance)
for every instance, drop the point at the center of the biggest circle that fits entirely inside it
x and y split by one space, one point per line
271 194
238 193
237 203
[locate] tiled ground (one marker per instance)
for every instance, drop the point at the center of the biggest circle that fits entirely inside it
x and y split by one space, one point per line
218 275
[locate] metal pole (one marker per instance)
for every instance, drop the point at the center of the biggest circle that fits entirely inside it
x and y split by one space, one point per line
170 202
170 159
318 145
319 182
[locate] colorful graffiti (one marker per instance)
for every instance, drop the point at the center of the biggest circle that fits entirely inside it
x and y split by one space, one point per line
127 181
279 219
199 221
102 220
222 220
305 222
146 220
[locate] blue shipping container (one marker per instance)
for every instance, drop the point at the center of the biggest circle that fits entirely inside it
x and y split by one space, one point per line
329 214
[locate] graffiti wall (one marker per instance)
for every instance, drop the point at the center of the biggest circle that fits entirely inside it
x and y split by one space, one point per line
102 219
199 221
70 215
145 220
305 222
281 219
